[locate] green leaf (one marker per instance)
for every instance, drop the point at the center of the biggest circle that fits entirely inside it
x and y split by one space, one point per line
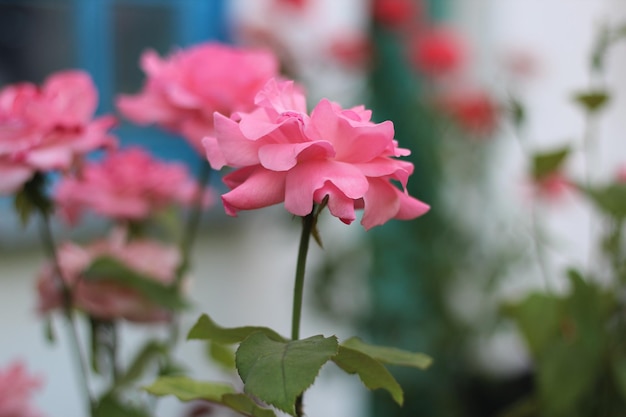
592 101
389 355
206 329
278 372
49 330
547 163
221 354
32 197
187 389
619 375
518 113
147 356
610 199
373 374
245 405
108 269
566 375
538 317
109 406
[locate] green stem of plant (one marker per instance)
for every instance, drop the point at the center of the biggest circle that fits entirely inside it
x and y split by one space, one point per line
307 227
308 222
193 221
68 313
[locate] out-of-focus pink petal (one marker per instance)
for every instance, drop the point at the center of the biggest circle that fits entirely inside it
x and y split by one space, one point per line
12 177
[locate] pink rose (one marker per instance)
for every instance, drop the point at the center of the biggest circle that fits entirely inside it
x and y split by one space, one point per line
283 154
394 13
127 184
183 91
108 299
48 128
16 389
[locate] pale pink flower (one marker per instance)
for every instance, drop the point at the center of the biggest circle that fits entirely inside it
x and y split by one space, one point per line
283 154
16 390
128 184
184 90
109 299
48 128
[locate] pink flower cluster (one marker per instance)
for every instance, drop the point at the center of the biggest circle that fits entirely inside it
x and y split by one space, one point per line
47 128
283 154
108 299
128 184
182 92
16 389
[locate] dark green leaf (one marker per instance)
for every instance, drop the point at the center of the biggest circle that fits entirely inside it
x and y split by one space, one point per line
373 374
49 330
278 372
32 197
187 389
389 355
518 114
592 101
619 375
110 406
610 199
206 329
109 269
547 163
245 405
538 317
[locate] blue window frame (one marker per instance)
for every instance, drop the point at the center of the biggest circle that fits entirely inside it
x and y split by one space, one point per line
105 38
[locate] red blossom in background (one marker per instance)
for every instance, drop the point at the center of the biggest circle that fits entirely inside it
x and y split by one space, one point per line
552 186
395 13
16 389
352 51
284 155
183 91
294 4
128 184
108 299
437 52
48 128
475 111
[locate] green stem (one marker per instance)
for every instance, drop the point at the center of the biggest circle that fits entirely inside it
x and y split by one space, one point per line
308 222
189 237
193 221
68 313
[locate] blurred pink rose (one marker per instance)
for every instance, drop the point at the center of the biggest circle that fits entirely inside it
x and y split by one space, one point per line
437 51
127 184
283 154
108 299
183 91
16 389
48 128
